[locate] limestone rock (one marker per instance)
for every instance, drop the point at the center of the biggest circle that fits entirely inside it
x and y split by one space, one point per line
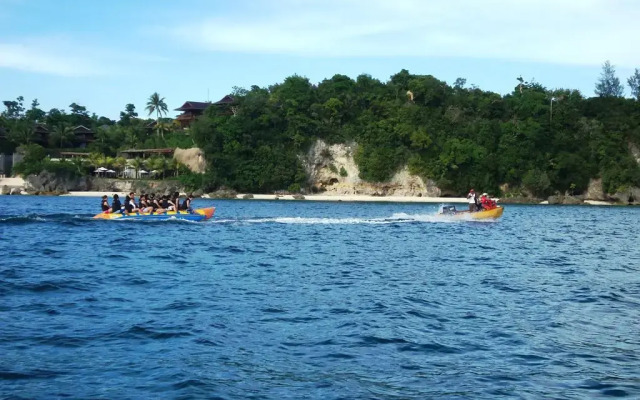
223 193
572 200
298 197
595 191
332 169
521 200
555 199
49 182
193 158
15 191
6 190
247 196
635 152
627 196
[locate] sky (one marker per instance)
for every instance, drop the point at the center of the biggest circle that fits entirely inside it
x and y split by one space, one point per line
105 54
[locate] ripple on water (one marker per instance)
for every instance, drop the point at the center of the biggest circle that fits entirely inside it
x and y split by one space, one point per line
319 300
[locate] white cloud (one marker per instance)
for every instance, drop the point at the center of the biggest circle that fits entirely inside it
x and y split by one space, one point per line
64 56
584 32
46 59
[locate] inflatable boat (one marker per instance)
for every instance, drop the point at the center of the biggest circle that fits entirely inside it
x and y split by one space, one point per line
200 214
451 212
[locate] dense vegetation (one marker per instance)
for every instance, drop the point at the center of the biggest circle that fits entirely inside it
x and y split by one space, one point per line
19 127
534 139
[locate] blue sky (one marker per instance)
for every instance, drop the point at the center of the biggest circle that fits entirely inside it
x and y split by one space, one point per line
106 54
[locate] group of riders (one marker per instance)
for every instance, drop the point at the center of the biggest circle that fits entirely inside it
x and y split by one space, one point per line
481 203
147 204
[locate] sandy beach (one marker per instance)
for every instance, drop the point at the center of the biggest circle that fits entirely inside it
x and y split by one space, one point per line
12 182
19 182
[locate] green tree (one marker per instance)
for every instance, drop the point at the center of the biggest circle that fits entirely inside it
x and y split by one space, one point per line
137 164
119 164
15 109
34 113
608 84
128 115
62 136
21 132
634 84
156 104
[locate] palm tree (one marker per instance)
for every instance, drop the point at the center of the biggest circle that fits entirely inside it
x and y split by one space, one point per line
137 164
161 164
62 135
174 166
120 163
157 105
80 164
95 160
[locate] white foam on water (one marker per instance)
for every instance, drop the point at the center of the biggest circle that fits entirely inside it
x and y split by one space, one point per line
396 218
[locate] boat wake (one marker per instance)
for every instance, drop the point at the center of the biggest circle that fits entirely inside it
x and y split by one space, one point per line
397 218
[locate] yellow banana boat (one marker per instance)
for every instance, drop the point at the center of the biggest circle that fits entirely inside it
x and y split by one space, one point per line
200 214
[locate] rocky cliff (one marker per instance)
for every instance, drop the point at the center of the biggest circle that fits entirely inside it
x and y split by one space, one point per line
193 158
331 169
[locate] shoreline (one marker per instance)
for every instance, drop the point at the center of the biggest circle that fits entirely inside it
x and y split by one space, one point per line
19 182
335 198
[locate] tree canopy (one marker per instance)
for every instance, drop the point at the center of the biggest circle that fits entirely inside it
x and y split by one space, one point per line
533 139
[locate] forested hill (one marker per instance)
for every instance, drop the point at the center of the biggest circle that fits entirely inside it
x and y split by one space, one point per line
534 139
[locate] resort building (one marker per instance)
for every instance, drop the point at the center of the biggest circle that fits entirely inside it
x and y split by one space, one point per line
146 153
193 109
84 135
190 111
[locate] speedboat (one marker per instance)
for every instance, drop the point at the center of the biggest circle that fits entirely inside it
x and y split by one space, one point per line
450 211
200 214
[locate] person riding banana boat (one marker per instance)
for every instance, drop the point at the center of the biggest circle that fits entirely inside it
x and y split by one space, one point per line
150 207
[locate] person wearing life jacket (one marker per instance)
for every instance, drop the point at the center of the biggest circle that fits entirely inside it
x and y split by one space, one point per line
175 199
153 202
186 204
487 203
130 204
165 205
106 208
145 206
116 206
471 199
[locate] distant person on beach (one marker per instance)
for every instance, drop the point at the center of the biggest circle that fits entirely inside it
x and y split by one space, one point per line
471 199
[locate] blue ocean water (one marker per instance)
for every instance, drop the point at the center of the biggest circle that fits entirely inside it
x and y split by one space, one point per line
306 300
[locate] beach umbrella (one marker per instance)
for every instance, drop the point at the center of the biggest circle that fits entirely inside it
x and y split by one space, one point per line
111 171
143 171
101 169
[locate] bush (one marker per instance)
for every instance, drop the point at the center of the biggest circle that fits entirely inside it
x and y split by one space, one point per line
537 182
294 188
343 172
